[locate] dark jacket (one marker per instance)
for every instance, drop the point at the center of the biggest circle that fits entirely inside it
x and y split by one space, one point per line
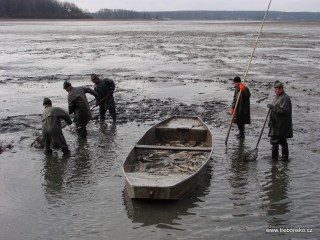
79 105
242 114
104 87
51 127
280 120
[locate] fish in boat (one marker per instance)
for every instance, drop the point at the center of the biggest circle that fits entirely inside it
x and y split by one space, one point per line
169 160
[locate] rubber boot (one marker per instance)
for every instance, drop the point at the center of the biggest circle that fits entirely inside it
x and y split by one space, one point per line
82 132
114 118
241 131
66 151
240 135
275 152
285 153
102 112
48 151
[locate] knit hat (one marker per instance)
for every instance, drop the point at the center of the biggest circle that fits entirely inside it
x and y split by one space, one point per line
237 79
66 84
94 76
277 84
46 101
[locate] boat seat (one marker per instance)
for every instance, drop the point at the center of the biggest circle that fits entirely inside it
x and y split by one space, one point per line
155 147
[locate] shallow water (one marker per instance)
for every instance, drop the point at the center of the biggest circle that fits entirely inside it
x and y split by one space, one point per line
161 69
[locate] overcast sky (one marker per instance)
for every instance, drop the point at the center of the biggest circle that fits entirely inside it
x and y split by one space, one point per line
173 5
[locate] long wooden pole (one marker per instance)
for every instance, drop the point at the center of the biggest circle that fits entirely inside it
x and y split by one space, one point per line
102 100
246 72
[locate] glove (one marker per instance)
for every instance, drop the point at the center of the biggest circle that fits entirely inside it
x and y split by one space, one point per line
270 106
231 111
241 86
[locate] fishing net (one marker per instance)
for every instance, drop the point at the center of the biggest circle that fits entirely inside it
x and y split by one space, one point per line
38 141
251 155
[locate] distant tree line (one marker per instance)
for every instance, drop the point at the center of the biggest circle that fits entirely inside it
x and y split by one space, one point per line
121 14
204 15
40 9
234 15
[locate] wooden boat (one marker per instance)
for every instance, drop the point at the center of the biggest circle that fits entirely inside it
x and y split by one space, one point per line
169 160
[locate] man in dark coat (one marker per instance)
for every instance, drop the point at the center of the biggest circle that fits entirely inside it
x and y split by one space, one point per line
51 127
280 122
242 114
79 105
105 88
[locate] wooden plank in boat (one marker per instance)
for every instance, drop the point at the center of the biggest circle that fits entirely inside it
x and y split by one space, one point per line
155 147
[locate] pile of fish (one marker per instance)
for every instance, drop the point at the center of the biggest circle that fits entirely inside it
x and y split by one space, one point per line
164 162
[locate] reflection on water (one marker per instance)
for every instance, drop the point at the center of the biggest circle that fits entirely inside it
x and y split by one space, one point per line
66 174
244 177
53 173
108 130
60 172
276 201
80 165
241 173
164 214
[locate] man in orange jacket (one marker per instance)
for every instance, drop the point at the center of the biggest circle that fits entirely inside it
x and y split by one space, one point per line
242 114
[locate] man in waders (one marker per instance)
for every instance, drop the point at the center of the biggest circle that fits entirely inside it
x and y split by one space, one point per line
79 105
280 122
51 127
105 88
242 114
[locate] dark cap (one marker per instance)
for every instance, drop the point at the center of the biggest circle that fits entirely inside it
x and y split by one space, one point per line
66 84
94 76
237 79
277 84
46 101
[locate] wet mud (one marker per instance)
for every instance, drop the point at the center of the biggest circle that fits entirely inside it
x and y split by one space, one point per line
135 105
